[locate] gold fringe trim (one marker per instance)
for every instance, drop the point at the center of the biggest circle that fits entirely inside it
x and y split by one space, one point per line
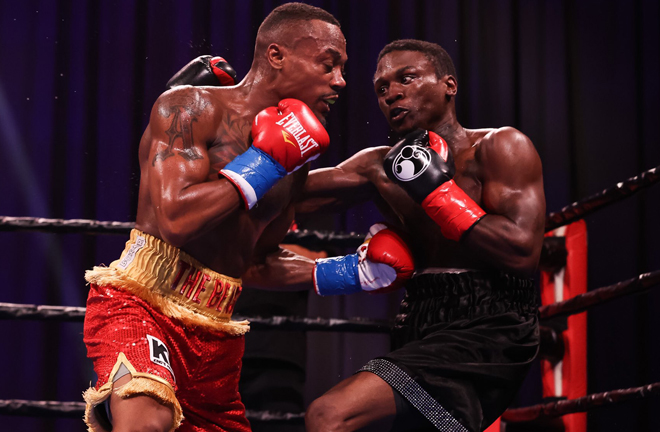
140 384
167 305
93 398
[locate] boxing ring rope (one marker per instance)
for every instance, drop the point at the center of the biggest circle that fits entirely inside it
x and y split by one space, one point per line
579 209
26 408
582 302
88 226
578 304
19 407
572 306
571 406
77 314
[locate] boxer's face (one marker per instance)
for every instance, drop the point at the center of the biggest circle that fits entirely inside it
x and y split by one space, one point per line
409 93
314 66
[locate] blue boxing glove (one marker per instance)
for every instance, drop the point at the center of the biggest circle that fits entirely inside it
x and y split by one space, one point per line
381 264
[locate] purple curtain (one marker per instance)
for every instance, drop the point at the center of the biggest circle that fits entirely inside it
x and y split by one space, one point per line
78 78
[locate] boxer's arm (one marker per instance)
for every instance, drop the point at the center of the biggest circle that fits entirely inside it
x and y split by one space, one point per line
274 267
381 264
510 236
340 187
280 270
187 201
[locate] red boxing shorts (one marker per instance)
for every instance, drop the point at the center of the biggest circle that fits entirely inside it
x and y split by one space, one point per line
187 357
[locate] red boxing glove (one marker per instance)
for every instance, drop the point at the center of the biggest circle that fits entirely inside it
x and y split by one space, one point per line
290 133
284 138
385 252
381 264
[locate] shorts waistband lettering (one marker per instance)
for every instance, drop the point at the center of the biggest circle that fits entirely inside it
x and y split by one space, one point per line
174 282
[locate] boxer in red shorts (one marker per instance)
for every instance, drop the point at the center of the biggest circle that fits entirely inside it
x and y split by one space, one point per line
160 317
158 324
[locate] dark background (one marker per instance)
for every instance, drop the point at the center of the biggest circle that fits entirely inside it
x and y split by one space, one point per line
78 78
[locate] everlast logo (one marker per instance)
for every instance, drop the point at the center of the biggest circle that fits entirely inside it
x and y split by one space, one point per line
292 125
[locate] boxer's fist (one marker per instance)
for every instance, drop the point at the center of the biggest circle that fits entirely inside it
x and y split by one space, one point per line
382 264
204 71
284 138
290 133
385 261
422 164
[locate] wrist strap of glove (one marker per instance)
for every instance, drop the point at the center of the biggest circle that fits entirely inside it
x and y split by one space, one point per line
337 275
452 209
253 173
226 74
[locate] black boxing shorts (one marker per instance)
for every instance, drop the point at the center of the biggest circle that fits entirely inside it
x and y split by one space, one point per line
463 344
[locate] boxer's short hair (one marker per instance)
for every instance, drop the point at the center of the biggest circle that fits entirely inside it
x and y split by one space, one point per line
295 12
435 53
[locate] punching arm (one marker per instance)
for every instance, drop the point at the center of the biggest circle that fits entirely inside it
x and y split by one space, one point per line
280 270
383 263
338 188
279 267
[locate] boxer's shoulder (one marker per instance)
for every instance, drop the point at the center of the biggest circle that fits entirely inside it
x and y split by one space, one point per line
201 102
506 153
499 142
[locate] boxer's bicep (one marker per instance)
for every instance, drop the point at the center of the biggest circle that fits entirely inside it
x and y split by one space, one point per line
510 235
187 202
512 180
177 159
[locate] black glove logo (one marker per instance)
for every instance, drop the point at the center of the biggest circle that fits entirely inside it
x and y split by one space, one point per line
411 162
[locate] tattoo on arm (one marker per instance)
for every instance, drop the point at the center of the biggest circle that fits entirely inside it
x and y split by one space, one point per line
233 140
181 127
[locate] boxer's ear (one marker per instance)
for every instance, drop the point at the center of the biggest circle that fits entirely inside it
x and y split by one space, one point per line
275 54
451 84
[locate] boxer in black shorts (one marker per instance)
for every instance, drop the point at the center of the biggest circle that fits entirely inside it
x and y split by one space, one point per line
472 205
